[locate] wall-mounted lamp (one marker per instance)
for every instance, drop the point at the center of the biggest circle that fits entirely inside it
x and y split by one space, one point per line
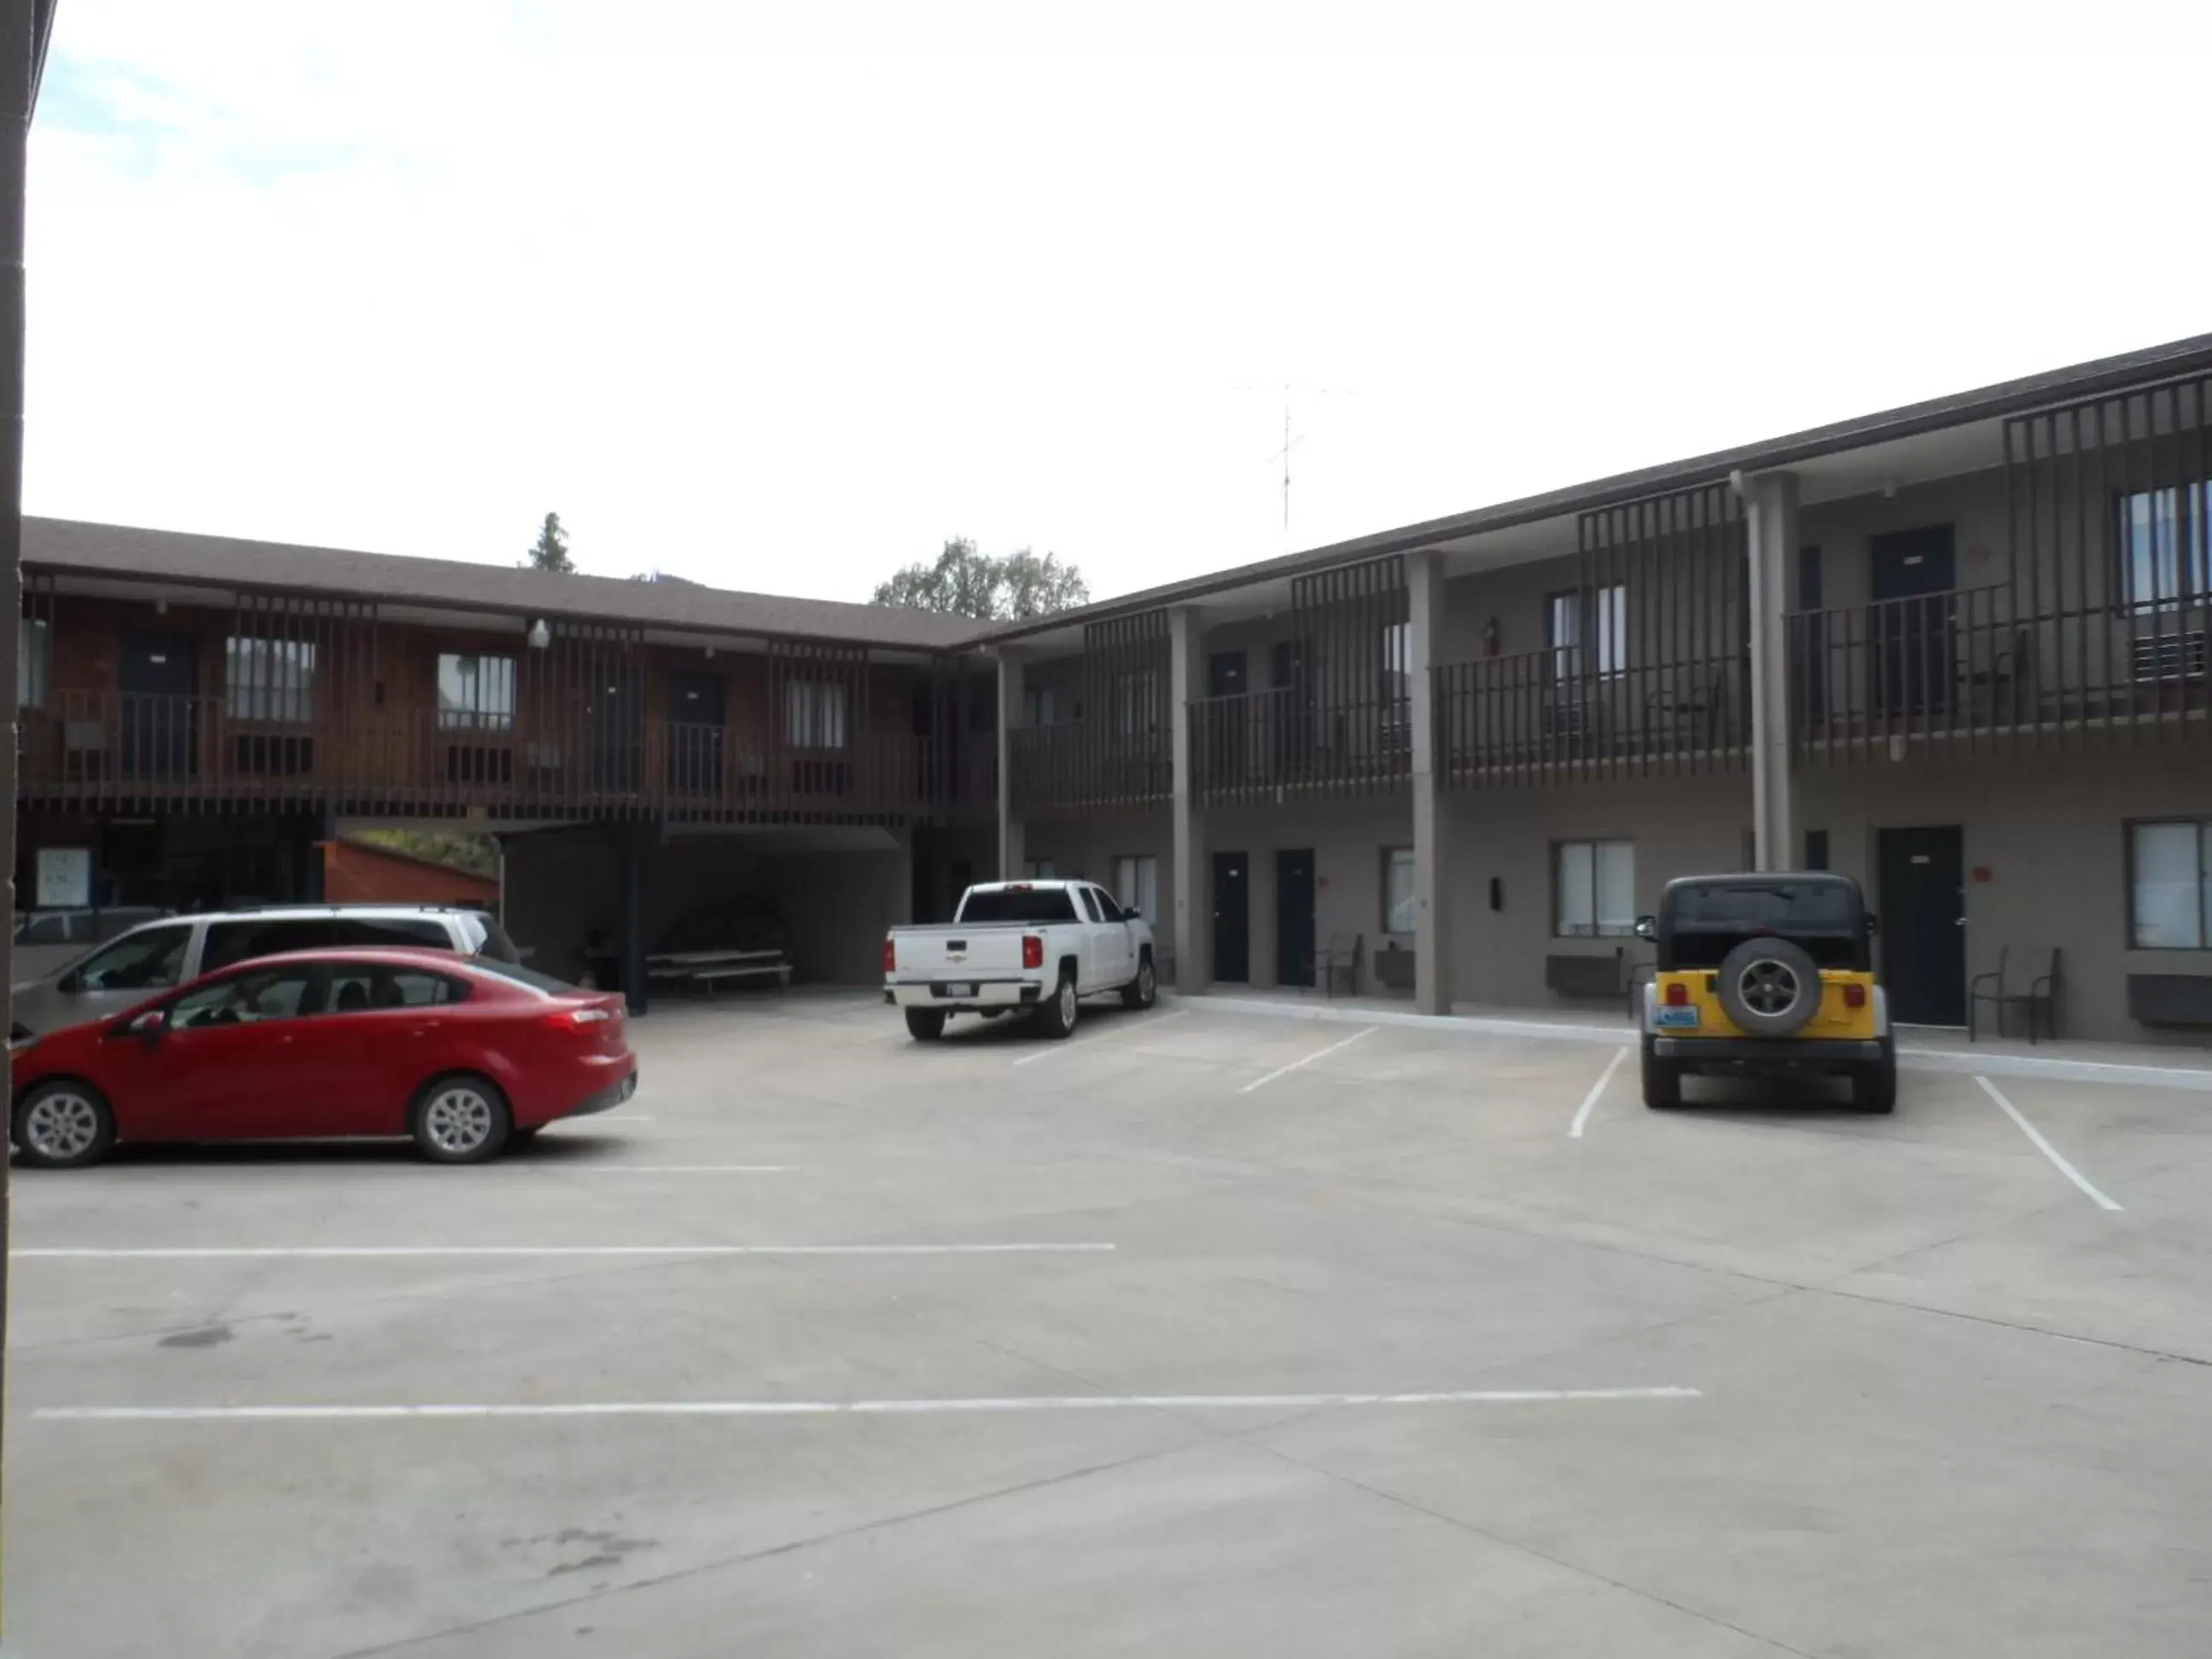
161 607
710 653
1490 637
540 636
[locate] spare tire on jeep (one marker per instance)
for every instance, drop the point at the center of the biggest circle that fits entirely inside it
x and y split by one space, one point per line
1769 987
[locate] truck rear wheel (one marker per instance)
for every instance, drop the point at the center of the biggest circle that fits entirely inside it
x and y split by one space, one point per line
1056 1017
1873 1085
1663 1079
925 1024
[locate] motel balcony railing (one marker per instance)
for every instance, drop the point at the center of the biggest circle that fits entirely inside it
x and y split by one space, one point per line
1274 745
101 749
1078 767
1543 715
1964 671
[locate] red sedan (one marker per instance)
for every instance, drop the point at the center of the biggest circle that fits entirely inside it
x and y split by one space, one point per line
461 1054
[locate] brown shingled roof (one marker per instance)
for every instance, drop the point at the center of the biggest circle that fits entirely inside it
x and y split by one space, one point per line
125 550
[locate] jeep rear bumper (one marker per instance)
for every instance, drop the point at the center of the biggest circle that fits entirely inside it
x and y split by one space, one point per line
1770 1051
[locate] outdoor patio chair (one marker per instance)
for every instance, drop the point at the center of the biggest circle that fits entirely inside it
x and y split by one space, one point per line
1341 956
2023 979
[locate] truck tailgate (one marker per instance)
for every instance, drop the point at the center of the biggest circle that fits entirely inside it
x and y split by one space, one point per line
987 951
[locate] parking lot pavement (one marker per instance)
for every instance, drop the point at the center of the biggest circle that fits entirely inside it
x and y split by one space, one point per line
1200 1332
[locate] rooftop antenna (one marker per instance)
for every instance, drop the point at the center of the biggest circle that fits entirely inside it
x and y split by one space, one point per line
1291 440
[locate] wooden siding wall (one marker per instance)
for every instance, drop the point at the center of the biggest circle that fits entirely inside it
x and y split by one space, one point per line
590 729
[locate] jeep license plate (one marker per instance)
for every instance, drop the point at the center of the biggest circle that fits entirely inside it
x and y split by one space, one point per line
1678 1020
963 989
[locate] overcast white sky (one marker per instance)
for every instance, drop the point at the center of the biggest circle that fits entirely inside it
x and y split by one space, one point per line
778 305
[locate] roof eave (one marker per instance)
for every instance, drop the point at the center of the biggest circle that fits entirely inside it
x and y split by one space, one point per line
2006 398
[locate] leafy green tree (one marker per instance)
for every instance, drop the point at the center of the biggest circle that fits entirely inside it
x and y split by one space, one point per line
550 551
962 582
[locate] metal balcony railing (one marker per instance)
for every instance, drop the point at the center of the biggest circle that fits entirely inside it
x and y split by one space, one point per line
121 749
1545 715
1969 669
1262 746
1079 767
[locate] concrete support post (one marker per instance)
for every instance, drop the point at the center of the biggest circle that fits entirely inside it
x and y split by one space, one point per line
1194 900
1260 884
1013 851
1771 508
640 843
1425 605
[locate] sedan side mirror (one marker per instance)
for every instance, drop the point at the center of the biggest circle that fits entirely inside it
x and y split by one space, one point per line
69 983
148 1026
1647 927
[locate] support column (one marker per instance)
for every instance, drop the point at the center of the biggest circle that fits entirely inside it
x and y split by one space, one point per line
640 842
1424 606
1260 886
1012 850
1193 896
1770 509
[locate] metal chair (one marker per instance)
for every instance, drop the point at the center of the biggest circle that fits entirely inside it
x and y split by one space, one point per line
2038 970
1341 956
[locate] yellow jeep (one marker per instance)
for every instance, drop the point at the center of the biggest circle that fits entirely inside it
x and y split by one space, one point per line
1766 972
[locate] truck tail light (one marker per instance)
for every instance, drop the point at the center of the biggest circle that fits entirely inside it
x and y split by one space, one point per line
1678 995
1032 950
1853 996
891 955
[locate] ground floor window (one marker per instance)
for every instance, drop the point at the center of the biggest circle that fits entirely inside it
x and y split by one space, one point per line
1040 870
2170 903
1398 890
1595 882
1137 884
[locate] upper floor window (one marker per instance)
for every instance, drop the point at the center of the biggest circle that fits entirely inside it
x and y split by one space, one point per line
2170 905
1397 662
814 715
1135 705
33 657
2166 549
272 680
1586 630
476 692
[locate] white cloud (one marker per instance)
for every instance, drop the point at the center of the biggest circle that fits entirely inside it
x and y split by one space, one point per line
774 304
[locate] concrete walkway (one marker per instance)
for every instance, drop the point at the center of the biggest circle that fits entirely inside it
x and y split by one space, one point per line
1921 1048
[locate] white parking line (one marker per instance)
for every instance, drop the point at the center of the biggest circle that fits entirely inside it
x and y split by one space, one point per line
849 1407
1597 1088
2045 1147
1047 1052
347 1252
671 1168
1283 1070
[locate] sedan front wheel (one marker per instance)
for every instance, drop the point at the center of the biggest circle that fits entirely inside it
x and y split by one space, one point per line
64 1125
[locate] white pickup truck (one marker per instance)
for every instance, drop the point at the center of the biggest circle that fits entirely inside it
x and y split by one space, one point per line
1026 947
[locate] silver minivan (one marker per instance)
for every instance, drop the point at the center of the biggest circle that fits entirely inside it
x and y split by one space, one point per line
158 955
